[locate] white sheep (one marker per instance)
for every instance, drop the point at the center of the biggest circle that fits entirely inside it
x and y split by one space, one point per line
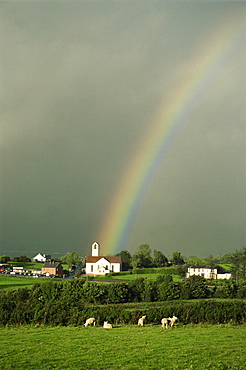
172 320
141 321
90 321
106 325
164 322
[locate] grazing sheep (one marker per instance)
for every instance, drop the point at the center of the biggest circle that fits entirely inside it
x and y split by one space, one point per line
164 322
141 321
90 321
106 325
172 320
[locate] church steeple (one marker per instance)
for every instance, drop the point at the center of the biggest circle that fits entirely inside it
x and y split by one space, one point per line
95 250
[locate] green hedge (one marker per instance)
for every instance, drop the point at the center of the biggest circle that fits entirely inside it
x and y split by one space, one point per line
155 270
58 313
71 302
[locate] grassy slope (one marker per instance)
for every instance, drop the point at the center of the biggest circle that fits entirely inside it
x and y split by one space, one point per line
151 277
33 265
124 347
13 282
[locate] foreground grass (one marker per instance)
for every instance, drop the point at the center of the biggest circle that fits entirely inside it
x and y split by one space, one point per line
124 347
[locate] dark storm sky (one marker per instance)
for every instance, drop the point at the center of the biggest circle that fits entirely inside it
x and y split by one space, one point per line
80 83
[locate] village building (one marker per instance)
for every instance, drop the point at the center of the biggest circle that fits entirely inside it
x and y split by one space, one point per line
41 257
52 268
5 266
207 272
101 265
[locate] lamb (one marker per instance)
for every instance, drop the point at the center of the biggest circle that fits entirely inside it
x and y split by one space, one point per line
141 321
90 321
106 325
164 322
172 320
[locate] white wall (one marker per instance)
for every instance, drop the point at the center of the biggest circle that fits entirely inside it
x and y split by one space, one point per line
207 273
102 267
223 276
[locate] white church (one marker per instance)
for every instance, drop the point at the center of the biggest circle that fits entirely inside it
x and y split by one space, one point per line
101 265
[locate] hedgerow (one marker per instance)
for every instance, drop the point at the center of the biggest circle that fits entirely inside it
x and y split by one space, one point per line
72 302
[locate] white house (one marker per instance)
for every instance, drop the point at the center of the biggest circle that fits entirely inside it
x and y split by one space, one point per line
101 265
41 257
207 272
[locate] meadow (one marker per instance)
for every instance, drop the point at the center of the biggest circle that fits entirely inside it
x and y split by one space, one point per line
14 282
151 277
33 265
128 347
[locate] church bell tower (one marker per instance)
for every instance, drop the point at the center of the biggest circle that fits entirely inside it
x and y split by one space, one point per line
95 250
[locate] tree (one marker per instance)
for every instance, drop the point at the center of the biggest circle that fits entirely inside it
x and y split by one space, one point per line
194 260
164 278
126 259
194 287
168 291
177 259
238 261
143 256
149 293
182 270
21 259
228 289
211 260
117 293
4 259
159 259
136 289
71 259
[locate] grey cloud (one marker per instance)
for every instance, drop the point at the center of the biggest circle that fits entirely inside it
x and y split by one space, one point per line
81 84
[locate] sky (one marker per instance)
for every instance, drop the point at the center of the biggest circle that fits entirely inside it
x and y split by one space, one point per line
85 87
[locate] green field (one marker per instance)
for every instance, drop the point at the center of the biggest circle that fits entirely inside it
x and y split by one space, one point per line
14 282
33 265
151 277
28 265
198 347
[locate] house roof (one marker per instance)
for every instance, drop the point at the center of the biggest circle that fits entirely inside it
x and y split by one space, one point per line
51 264
39 254
42 255
110 259
202 267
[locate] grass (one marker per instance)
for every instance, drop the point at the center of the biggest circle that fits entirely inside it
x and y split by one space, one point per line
151 277
220 347
29 265
13 282
226 266
33 265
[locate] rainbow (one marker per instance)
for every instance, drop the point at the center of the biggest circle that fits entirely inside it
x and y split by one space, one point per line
156 141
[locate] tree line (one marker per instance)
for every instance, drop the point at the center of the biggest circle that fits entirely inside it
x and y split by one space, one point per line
143 258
